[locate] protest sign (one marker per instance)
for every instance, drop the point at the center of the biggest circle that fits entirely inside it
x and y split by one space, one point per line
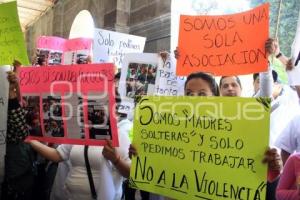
78 51
148 74
49 50
224 44
12 44
109 46
209 147
68 103
3 116
167 83
138 75
57 51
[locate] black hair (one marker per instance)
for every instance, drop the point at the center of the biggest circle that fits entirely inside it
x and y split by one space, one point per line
41 60
118 100
236 77
255 76
118 75
274 75
206 77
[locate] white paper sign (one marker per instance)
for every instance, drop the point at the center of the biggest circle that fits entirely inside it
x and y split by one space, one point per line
126 106
138 75
109 46
167 83
3 116
294 75
148 74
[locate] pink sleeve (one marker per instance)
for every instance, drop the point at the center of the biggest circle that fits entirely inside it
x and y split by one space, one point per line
286 189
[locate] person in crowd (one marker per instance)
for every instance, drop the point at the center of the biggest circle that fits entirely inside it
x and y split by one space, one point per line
109 167
285 108
201 84
230 86
273 48
289 140
289 183
19 157
263 83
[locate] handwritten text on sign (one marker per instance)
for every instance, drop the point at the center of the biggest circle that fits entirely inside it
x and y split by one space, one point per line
111 46
68 103
167 83
224 45
206 145
12 44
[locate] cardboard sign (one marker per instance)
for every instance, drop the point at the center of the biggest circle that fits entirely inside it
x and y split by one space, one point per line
68 103
209 147
111 46
224 44
167 83
12 44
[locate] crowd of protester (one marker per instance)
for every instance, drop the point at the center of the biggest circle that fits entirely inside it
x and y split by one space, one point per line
35 170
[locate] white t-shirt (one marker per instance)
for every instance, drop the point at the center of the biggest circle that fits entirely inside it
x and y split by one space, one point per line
107 179
284 108
289 139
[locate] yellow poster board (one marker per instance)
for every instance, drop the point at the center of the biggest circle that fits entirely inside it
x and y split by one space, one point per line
201 147
12 44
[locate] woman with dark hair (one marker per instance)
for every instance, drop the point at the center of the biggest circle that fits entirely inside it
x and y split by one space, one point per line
201 84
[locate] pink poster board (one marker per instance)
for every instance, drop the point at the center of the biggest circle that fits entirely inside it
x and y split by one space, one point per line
58 51
77 51
70 104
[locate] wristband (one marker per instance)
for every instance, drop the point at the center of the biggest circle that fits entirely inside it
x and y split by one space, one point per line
279 55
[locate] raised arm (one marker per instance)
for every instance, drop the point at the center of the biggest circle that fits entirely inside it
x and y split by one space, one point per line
272 47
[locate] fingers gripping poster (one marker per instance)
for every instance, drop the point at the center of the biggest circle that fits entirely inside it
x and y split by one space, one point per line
70 104
198 147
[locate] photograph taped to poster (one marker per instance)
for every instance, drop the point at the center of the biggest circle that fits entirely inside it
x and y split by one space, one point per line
138 75
31 103
98 121
58 51
70 104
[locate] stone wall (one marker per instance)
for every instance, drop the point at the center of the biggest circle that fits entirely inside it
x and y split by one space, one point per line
147 18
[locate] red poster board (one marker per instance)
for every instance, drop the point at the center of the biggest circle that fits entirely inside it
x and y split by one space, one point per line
70 104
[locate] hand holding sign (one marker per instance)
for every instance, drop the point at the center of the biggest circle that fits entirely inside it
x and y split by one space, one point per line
272 46
199 139
110 153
